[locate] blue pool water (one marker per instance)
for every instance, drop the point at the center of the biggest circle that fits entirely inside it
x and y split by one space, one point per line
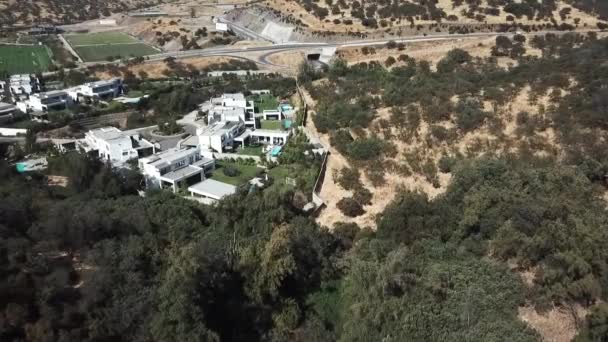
275 151
21 167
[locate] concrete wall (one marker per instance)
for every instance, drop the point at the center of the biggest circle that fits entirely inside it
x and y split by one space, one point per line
12 132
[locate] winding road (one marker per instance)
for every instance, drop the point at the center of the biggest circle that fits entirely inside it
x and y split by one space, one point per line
244 52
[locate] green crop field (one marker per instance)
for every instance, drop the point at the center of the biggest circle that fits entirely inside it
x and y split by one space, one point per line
101 38
95 53
18 59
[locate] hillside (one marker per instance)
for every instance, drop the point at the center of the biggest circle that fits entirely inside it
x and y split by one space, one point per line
305 20
406 119
63 11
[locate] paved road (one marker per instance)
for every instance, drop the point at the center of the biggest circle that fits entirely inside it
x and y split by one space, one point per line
244 51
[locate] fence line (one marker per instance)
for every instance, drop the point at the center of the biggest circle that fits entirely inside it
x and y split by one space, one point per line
316 190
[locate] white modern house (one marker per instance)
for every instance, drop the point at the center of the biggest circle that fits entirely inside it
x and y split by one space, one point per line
270 137
230 107
51 100
102 89
116 146
221 135
105 89
175 168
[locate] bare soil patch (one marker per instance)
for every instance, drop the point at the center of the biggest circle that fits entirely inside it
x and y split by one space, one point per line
557 325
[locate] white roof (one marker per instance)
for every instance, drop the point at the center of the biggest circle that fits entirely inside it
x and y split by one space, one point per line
6 107
107 133
52 93
183 173
213 189
217 128
234 96
101 83
166 158
270 133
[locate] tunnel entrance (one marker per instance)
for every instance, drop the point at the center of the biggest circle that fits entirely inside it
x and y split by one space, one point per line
311 57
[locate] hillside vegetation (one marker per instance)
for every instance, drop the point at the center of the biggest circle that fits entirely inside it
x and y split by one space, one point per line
63 11
404 17
95 262
415 120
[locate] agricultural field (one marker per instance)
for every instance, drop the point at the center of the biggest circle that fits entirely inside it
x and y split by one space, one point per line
15 59
93 47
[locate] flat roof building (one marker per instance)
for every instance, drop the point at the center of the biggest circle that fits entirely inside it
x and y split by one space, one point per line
105 89
175 168
220 135
212 189
230 107
116 146
51 100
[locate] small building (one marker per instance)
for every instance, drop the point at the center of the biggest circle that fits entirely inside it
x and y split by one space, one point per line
7 112
221 27
116 146
175 168
51 100
221 135
212 189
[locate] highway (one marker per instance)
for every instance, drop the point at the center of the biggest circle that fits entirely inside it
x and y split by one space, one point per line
292 46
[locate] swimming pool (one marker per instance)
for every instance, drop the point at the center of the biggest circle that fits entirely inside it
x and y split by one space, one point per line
275 151
21 167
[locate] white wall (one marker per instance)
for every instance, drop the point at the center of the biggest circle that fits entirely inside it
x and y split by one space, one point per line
12 132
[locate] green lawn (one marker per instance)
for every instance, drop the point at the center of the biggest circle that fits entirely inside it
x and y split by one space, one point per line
16 59
101 38
102 52
264 102
250 150
280 172
247 172
272 124
134 93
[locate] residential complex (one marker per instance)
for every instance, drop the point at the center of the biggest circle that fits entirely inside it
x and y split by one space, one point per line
27 98
185 168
